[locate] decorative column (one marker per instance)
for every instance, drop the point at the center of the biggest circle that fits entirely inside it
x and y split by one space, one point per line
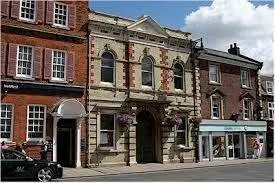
132 139
244 146
55 120
226 146
78 143
200 148
210 147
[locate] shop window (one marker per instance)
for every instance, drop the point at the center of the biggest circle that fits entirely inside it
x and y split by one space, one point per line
216 107
107 67
58 65
6 122
27 10
250 137
181 138
36 122
247 109
107 130
245 78
269 87
214 73
178 76
24 61
270 110
218 146
147 71
60 14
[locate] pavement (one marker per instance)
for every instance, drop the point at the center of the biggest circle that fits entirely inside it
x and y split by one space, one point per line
150 167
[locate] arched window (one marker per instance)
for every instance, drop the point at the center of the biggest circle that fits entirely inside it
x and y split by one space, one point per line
107 67
178 76
147 71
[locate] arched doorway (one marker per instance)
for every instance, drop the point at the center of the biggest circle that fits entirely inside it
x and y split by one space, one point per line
145 138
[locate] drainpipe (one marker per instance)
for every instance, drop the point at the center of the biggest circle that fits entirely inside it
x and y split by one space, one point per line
88 93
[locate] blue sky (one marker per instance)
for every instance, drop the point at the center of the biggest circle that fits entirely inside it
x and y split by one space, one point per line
167 13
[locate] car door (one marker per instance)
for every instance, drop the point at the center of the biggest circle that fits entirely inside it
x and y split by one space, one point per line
17 165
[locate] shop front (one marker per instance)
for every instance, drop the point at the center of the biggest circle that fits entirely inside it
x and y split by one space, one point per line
227 139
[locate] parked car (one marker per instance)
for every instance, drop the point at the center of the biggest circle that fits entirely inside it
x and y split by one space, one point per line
16 165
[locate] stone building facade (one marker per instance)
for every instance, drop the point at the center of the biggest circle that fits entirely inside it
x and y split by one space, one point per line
141 81
43 77
267 95
230 105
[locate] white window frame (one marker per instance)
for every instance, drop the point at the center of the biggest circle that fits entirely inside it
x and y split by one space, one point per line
27 19
270 110
109 112
271 83
67 15
220 107
65 66
104 83
248 84
217 69
185 132
153 75
12 118
17 59
249 110
44 123
183 79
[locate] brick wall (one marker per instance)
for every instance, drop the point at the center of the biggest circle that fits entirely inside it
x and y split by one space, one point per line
230 86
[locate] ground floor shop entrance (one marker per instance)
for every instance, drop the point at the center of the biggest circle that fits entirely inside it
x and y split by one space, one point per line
226 139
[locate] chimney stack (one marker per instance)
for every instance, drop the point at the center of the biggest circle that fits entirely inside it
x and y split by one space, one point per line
234 50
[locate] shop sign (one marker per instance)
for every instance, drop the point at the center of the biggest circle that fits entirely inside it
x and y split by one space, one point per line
233 128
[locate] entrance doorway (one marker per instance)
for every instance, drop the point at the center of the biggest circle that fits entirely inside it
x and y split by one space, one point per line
234 146
145 138
66 142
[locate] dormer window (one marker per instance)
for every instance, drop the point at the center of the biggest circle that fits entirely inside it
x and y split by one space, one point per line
269 87
27 10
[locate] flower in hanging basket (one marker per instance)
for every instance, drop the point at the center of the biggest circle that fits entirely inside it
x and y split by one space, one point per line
124 119
172 121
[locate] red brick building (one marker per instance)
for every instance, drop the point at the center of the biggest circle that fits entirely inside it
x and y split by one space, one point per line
267 94
230 105
43 77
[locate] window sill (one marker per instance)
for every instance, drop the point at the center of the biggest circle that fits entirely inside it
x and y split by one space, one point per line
106 84
28 21
214 83
102 149
24 78
179 91
148 88
58 81
246 87
60 27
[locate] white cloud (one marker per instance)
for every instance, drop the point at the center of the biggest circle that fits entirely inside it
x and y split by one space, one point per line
225 22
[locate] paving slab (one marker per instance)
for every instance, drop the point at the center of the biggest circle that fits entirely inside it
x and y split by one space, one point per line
149 167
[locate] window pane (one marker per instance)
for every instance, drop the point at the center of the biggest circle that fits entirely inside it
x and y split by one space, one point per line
107 75
147 78
107 122
146 64
107 139
181 138
178 82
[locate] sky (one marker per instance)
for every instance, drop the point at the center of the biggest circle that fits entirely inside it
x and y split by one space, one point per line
220 23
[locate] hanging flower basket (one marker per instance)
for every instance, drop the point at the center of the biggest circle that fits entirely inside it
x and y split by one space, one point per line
172 121
125 119
196 120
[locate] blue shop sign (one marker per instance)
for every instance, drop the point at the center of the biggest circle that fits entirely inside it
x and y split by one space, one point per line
231 128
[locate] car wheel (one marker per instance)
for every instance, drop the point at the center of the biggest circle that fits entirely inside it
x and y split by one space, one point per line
44 175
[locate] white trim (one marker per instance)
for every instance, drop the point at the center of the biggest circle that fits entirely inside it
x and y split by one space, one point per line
65 66
249 78
32 63
27 19
12 118
272 87
44 123
272 109
183 78
67 12
220 107
109 112
218 72
250 109
109 84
